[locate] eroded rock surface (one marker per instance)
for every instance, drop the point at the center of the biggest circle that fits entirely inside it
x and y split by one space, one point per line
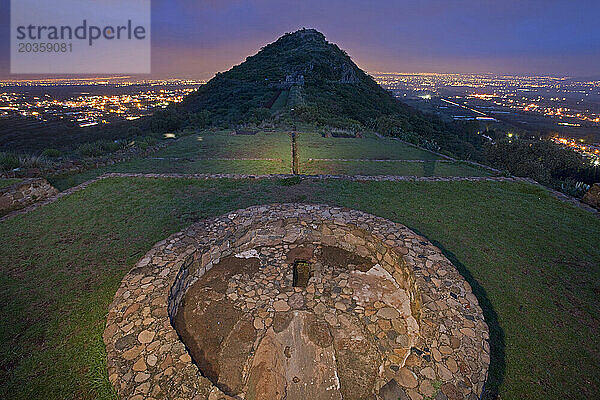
270 340
290 365
357 358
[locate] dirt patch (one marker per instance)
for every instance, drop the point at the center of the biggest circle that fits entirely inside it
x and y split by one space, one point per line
300 192
272 101
336 257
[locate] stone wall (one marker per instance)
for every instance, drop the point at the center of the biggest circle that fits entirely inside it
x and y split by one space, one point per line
24 193
592 197
146 358
271 233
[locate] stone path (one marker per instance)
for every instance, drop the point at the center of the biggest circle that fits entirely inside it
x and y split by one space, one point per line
337 316
355 178
213 159
382 160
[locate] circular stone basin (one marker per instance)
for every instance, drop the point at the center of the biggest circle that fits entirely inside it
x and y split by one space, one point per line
296 302
252 332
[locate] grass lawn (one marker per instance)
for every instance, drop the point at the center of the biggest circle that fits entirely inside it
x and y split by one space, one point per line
313 145
532 260
149 165
7 182
429 168
222 144
189 154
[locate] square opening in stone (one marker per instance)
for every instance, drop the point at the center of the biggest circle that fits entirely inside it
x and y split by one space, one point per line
302 273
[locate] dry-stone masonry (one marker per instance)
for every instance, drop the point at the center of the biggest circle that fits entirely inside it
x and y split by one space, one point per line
355 178
404 312
592 197
24 193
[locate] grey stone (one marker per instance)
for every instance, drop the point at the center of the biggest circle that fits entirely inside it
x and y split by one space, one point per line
423 270
441 396
392 391
125 342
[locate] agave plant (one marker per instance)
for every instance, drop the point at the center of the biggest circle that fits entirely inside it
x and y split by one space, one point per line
575 189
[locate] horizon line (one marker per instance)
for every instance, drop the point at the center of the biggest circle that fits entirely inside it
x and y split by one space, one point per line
149 77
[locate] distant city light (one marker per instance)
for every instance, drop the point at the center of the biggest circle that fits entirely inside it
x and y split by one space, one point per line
135 99
505 93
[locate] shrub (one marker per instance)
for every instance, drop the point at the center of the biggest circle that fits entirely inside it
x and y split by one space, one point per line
90 150
145 142
30 161
430 145
9 161
134 131
542 161
259 115
167 120
51 153
200 119
99 148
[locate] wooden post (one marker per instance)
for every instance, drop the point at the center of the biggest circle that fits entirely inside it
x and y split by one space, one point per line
294 153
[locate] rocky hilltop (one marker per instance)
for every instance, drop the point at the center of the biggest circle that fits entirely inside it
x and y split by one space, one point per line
326 75
325 88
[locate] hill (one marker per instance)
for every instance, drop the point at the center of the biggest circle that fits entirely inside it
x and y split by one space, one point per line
325 74
326 88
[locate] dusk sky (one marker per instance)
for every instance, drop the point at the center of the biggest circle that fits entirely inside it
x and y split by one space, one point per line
192 38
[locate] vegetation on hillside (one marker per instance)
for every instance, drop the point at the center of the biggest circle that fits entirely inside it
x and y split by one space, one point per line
546 162
321 88
335 93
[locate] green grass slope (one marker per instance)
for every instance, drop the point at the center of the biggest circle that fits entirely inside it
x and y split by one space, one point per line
270 153
532 261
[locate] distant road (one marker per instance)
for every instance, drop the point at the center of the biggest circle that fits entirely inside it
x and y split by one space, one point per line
468 108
